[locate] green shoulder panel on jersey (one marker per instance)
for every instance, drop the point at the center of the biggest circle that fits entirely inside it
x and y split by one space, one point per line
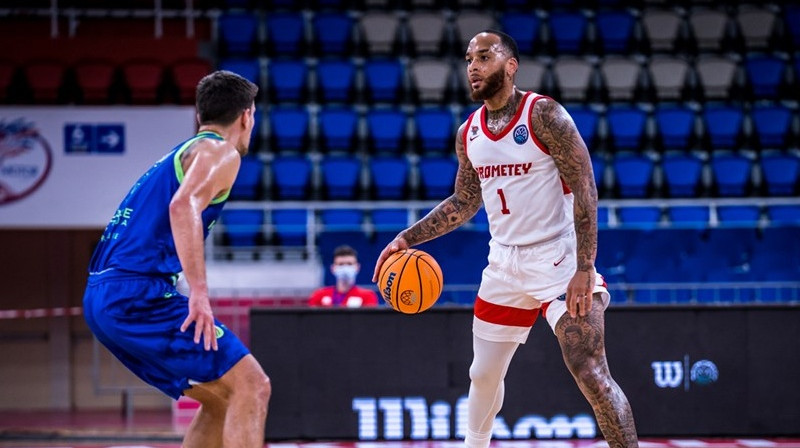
176 160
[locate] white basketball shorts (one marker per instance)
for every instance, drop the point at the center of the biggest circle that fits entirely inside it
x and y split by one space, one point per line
522 281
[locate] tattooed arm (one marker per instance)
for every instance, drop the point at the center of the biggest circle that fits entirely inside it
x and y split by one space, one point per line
556 130
451 213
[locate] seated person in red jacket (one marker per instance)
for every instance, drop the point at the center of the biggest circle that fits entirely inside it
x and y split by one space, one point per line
345 293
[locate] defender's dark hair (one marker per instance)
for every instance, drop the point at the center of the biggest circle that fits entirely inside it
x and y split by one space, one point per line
507 41
344 250
222 96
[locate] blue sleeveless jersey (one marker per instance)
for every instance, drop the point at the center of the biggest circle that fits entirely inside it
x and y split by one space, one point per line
138 238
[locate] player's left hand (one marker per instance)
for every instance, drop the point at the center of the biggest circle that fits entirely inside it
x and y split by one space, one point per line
200 313
579 293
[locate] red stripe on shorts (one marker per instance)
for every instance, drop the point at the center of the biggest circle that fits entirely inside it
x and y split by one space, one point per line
504 315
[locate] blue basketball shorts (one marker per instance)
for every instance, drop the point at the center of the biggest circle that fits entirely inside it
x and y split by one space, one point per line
138 318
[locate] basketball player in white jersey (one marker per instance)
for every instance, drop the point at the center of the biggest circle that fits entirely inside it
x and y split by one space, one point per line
521 155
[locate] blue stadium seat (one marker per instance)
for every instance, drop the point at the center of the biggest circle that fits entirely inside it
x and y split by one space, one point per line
614 247
568 30
523 27
434 129
389 177
332 33
683 174
248 69
481 220
255 134
615 30
242 227
338 128
675 127
766 75
723 126
341 176
290 226
291 177
456 253
732 173
728 245
342 220
694 216
386 130
384 80
273 5
626 127
285 33
772 125
633 174
586 121
289 128
336 80
599 170
792 16
249 181
238 32
437 176
389 219
724 294
646 217
784 215
288 80
738 215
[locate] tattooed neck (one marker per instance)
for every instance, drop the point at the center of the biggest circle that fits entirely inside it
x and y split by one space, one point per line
497 120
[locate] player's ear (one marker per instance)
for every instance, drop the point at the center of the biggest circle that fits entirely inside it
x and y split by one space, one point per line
511 66
244 118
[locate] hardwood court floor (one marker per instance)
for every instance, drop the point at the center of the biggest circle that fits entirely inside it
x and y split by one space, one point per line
154 429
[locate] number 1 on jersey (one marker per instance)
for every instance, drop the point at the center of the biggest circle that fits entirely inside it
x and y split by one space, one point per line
505 209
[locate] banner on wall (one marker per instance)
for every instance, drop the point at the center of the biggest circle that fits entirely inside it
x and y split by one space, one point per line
68 167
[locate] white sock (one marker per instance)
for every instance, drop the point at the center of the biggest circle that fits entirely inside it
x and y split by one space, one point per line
487 390
476 440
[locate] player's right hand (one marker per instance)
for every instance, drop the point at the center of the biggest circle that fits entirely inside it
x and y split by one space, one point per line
398 243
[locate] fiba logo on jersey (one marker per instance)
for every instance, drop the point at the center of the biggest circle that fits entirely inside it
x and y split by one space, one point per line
520 134
25 160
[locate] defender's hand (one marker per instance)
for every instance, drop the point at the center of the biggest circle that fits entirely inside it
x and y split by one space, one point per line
200 313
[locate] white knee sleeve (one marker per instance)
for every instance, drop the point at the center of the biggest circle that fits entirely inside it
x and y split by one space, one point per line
489 366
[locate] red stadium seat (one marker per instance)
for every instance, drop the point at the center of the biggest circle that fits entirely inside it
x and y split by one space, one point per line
7 70
44 78
186 73
143 77
94 78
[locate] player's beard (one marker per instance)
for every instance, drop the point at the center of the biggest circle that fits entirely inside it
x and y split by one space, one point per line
491 85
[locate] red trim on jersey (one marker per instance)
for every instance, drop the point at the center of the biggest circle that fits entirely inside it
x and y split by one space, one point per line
504 315
510 124
545 306
467 125
536 140
564 187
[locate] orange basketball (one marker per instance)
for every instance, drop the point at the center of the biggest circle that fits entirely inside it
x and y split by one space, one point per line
410 281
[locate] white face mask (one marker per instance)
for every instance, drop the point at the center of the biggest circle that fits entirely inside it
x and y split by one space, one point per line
345 273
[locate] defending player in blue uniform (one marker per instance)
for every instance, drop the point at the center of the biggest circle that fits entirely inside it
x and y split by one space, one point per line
131 304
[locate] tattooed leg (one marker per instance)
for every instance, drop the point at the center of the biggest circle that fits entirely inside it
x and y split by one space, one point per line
583 346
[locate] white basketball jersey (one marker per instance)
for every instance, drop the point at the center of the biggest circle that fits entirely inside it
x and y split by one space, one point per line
525 199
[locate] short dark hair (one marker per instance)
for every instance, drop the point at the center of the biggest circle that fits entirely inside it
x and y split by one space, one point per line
343 251
507 41
222 96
